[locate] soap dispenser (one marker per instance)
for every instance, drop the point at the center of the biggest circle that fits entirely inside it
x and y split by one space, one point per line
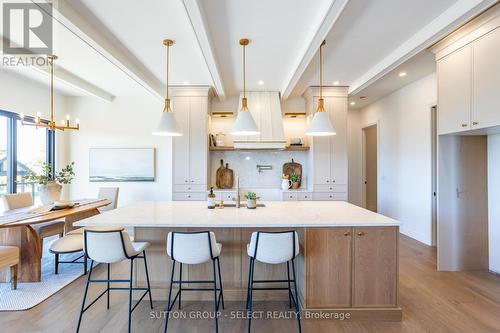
211 199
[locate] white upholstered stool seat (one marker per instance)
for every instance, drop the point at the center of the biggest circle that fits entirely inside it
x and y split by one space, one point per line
194 248
67 244
9 257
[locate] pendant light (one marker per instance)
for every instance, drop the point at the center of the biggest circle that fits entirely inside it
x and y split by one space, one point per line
168 125
320 124
244 124
50 124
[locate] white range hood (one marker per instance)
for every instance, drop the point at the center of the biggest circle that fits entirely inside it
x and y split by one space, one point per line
265 108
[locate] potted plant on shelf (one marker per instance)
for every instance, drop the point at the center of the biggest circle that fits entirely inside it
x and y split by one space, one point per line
251 200
50 184
295 179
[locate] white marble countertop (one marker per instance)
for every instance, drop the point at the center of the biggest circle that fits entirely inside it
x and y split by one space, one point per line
275 214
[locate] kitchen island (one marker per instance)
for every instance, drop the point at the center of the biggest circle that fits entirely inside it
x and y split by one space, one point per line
348 262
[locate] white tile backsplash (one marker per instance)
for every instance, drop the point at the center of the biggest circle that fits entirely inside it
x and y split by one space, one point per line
244 164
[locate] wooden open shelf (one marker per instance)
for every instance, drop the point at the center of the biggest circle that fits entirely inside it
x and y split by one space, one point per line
289 148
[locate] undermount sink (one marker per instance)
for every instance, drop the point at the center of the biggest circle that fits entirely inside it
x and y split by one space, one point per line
232 204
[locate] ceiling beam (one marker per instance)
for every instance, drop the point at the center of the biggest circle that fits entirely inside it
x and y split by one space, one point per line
72 20
62 75
324 27
451 19
199 25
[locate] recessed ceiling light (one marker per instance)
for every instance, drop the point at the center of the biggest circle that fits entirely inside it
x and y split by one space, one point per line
186 82
336 83
402 74
353 103
260 82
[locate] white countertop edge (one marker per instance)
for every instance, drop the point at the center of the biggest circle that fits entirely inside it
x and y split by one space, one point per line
201 225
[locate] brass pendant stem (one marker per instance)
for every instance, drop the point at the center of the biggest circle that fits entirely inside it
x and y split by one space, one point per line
244 42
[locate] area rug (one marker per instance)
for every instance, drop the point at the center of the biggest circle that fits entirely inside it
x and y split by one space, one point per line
29 294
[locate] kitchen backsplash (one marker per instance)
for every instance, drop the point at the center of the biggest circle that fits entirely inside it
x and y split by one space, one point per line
244 164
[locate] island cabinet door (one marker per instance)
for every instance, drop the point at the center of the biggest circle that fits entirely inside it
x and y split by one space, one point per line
375 267
328 265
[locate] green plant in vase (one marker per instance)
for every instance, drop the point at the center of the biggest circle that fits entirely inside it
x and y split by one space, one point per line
50 183
251 200
295 179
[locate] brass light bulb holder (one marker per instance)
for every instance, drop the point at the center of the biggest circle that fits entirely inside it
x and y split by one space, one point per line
168 42
244 105
321 105
167 105
244 41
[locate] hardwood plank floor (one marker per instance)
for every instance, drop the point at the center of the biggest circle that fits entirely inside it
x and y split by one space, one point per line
431 301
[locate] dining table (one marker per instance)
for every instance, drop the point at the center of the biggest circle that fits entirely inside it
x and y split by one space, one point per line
16 229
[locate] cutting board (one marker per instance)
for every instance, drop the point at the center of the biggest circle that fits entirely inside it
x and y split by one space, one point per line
224 177
290 168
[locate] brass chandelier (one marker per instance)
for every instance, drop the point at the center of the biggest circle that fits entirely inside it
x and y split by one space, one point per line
50 124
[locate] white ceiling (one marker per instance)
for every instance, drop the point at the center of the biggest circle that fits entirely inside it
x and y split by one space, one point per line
114 47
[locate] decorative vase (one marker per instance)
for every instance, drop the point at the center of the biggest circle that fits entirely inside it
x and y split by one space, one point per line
251 203
295 185
50 192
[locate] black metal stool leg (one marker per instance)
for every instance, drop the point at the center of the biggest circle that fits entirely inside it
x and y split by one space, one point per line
130 296
147 279
109 278
56 261
297 303
249 279
84 264
220 283
84 297
216 307
169 295
180 284
250 298
289 286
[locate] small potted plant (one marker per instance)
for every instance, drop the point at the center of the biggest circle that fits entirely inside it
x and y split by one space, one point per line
50 184
295 179
251 200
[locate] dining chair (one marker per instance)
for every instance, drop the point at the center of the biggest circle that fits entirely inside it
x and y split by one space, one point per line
43 230
9 257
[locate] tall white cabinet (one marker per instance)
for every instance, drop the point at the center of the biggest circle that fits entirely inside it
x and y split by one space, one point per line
328 155
190 151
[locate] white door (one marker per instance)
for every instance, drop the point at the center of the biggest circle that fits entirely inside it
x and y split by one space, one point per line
181 143
454 91
486 109
198 144
370 163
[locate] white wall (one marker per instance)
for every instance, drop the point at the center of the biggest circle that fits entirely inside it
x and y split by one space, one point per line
494 202
404 179
127 122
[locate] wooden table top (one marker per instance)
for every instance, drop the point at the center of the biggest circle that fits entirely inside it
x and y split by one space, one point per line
41 214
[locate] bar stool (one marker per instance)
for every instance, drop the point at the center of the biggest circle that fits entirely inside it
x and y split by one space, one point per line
107 247
273 248
194 248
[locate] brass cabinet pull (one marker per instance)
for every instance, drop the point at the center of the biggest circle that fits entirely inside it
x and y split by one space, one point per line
361 233
475 123
464 125
347 233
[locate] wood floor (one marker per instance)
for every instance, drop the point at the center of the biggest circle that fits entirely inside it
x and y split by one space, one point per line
432 302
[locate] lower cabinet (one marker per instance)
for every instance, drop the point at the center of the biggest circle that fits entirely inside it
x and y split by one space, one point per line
352 267
190 196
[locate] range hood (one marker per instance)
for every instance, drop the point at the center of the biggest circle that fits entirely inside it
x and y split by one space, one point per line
265 108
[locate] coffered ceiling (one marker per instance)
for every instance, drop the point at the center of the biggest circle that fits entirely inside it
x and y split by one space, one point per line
114 47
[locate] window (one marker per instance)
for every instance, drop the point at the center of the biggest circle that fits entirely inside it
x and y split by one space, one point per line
22 149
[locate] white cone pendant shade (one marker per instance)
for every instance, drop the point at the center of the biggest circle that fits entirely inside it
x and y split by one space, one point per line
244 124
168 125
320 125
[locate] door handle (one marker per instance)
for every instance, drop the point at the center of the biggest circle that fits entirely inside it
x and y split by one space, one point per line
464 125
475 123
347 233
361 233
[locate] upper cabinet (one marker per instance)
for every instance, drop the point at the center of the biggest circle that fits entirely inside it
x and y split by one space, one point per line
328 156
190 151
469 76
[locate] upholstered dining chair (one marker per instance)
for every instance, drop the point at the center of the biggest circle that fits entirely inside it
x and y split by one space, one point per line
110 193
23 200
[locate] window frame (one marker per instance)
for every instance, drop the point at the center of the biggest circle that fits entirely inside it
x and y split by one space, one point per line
12 126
